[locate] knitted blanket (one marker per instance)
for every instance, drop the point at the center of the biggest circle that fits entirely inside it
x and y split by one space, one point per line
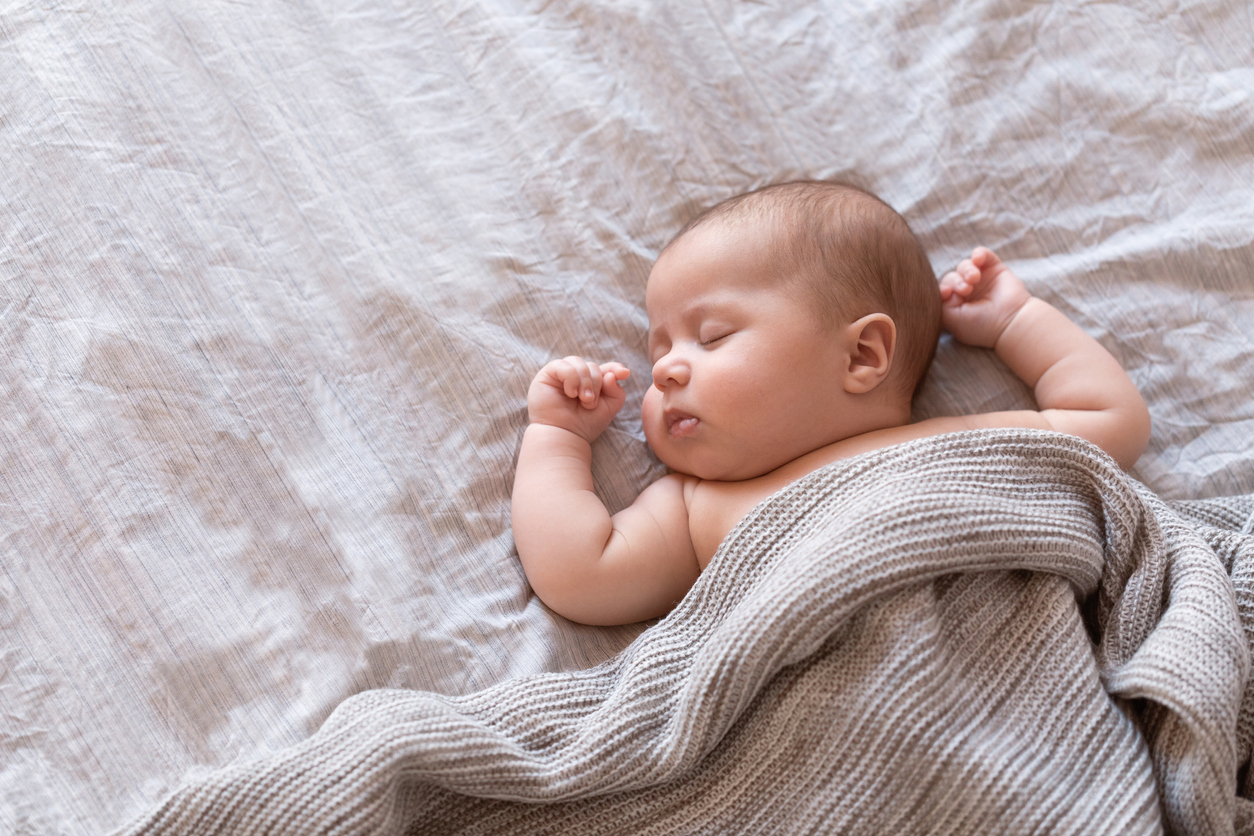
985 632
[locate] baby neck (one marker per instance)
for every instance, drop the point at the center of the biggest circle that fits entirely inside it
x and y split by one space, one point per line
876 413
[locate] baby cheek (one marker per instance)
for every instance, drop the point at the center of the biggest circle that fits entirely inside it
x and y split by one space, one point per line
651 417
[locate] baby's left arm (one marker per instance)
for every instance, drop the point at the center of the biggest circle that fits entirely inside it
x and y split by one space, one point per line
1080 388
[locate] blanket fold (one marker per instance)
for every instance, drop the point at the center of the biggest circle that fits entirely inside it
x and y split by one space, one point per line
994 631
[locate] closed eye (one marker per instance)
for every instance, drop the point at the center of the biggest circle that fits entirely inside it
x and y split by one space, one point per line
713 340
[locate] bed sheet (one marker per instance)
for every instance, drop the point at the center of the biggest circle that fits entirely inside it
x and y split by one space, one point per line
274 278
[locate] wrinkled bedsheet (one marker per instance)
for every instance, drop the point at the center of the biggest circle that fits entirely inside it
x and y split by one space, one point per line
274 278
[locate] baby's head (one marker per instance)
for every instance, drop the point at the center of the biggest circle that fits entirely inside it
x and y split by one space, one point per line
782 320
851 253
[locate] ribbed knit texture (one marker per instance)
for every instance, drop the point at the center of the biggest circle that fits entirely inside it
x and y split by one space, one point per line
899 643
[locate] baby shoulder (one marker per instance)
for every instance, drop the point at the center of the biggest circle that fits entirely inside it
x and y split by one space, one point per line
888 436
663 505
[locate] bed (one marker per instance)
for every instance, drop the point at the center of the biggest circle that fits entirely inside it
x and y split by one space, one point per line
274 279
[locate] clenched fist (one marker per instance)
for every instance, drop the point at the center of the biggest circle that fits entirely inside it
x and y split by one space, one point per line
980 297
577 395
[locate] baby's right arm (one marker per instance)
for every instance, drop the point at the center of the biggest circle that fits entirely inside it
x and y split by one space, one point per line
1080 388
583 563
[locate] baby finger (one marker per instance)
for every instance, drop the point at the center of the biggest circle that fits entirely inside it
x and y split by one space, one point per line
968 271
573 373
620 371
590 384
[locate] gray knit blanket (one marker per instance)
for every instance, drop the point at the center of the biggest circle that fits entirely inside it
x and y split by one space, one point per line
986 632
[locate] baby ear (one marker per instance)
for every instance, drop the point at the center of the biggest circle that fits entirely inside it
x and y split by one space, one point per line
871 342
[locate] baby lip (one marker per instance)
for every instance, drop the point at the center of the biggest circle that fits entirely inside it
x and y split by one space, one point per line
680 423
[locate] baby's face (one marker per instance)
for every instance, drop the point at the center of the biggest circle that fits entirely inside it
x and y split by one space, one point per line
746 375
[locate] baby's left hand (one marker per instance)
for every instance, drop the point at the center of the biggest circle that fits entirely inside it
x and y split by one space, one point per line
980 297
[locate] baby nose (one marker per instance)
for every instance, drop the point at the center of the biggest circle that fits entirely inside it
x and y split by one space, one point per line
670 369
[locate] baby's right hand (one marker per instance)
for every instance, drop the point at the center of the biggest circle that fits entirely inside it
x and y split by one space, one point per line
980 297
577 395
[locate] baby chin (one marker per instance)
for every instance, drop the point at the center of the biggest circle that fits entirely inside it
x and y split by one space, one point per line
683 443
672 450
687 453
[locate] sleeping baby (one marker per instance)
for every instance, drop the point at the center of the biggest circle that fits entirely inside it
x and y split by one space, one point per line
788 327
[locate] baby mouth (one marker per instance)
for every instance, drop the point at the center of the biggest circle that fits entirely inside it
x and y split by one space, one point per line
680 424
